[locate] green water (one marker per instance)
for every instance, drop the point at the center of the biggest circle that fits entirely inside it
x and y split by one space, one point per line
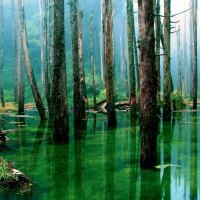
104 164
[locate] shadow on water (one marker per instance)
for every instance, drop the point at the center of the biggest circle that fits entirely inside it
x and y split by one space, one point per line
102 163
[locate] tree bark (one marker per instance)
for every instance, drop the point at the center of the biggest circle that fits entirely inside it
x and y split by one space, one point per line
59 94
130 33
78 114
168 84
29 69
92 63
148 85
83 90
109 61
1 52
179 60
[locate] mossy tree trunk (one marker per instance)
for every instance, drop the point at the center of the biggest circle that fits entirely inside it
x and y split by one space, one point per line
148 85
168 84
29 69
109 61
1 52
130 32
79 112
59 94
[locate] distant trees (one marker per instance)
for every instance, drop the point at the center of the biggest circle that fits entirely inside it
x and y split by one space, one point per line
148 85
109 61
59 96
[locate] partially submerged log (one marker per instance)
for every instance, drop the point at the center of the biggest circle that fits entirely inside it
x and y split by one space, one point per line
3 133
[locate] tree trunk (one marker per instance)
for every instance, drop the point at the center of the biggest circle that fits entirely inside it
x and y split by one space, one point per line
14 44
78 114
59 96
148 85
83 90
31 77
92 62
179 59
109 61
158 39
130 33
1 52
168 85
194 56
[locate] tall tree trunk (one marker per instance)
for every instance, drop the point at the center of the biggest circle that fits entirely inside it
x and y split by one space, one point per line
83 90
158 38
59 96
194 56
14 44
179 59
92 62
168 84
78 114
101 47
1 52
130 33
148 85
31 77
109 61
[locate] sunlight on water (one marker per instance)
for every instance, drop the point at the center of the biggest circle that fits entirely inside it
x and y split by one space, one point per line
104 164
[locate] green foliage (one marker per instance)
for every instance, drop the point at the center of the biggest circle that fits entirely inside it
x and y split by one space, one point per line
176 97
5 174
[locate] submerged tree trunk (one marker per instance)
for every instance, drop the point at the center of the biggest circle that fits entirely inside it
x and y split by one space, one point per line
130 33
59 96
1 52
92 62
31 77
168 84
14 44
83 90
148 85
78 114
109 61
194 56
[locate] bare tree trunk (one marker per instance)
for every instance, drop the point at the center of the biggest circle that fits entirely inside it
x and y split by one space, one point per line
179 59
92 62
148 85
130 33
14 42
31 77
1 52
158 39
109 61
59 90
83 89
194 56
168 84
78 114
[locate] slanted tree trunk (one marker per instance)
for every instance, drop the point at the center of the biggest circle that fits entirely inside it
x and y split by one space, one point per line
59 95
29 69
78 114
20 69
14 44
109 61
158 38
194 52
92 63
130 33
1 52
148 85
83 90
168 84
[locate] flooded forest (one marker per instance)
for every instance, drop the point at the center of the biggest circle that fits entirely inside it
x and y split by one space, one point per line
99 99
